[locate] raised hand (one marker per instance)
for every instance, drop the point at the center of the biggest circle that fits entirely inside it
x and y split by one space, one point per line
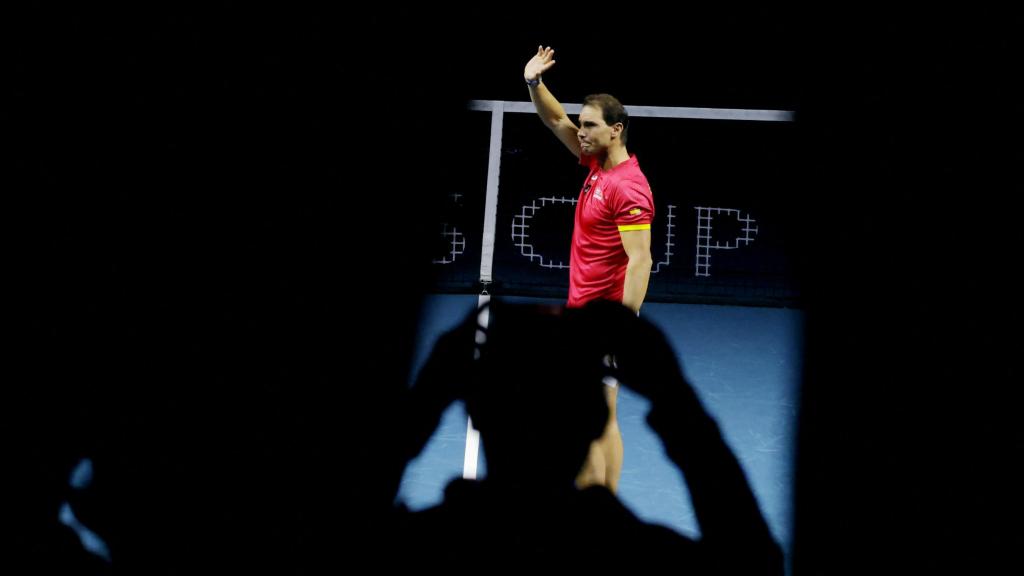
540 63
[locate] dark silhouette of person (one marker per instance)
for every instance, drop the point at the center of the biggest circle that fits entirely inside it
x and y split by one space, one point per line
528 511
192 233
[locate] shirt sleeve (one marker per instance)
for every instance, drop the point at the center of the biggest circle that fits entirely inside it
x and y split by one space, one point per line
634 206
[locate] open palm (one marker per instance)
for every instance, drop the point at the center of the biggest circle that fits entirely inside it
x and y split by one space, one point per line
540 63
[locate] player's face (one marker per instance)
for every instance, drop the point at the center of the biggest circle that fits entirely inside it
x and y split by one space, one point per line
595 136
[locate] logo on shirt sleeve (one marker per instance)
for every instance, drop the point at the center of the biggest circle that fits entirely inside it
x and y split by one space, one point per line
635 212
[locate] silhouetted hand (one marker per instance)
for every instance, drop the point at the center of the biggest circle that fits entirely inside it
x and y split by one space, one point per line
444 376
644 360
442 380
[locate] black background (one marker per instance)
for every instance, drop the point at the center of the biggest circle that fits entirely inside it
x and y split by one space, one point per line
205 207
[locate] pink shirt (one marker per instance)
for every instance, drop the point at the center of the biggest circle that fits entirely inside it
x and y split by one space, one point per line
611 201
